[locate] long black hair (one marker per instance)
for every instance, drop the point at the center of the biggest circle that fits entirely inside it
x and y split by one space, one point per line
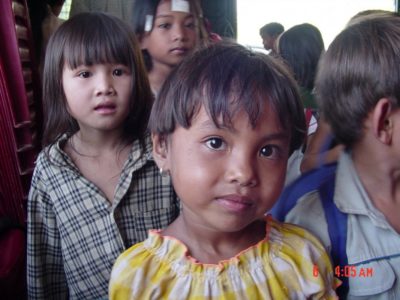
87 39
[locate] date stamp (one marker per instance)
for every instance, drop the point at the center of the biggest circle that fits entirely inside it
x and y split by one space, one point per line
348 271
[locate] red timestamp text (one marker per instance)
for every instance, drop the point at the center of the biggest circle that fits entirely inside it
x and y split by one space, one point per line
348 271
353 271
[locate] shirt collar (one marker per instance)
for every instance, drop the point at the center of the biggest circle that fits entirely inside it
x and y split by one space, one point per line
138 156
350 195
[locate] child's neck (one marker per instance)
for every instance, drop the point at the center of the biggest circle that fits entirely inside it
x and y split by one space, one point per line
211 247
99 160
380 176
158 75
95 143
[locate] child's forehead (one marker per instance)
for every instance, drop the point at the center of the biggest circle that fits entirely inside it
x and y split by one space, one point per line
237 116
176 5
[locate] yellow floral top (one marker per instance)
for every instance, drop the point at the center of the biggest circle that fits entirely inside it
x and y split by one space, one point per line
289 263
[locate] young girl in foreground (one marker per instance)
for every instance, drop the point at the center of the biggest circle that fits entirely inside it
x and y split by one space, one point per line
168 30
223 127
95 189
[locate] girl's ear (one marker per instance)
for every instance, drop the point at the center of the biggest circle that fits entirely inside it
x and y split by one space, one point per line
160 151
382 121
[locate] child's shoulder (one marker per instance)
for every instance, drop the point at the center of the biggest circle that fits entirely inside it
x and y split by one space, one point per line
291 238
294 249
132 252
52 153
145 147
140 255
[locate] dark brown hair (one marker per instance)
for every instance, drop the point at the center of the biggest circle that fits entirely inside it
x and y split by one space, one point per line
226 78
301 47
360 67
87 39
273 29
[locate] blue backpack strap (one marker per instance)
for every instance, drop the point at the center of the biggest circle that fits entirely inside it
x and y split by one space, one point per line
337 228
307 182
323 180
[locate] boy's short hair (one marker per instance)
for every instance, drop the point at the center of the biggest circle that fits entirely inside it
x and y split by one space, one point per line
360 67
225 78
272 29
369 13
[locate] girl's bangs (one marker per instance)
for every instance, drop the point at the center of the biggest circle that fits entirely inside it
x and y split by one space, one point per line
224 100
97 46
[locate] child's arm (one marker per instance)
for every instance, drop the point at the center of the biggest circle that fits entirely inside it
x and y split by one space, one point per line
315 154
45 271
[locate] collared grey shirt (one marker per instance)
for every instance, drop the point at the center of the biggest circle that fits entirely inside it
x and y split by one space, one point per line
369 235
75 234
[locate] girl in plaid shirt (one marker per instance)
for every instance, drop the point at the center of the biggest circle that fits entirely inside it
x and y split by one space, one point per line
96 189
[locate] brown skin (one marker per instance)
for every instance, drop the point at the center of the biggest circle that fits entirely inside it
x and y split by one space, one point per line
377 160
174 35
226 178
98 98
313 157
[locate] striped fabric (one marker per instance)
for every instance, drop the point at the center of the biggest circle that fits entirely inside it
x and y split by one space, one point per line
288 264
75 234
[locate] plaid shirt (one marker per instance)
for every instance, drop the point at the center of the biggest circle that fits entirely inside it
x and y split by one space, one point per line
75 234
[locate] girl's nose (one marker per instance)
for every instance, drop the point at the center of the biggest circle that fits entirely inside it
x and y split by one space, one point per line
178 32
241 171
105 85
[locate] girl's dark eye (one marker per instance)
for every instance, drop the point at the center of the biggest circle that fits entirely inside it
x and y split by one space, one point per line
269 151
164 25
84 74
190 25
215 143
118 72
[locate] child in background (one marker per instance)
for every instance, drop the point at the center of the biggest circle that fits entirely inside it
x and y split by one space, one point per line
269 34
168 30
95 189
301 47
358 91
223 127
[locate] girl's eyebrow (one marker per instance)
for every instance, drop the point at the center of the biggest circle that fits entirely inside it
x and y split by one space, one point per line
163 16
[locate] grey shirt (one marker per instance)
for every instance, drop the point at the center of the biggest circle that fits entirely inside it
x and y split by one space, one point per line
369 236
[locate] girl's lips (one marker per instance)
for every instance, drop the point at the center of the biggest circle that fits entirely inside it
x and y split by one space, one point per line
179 50
235 203
105 109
